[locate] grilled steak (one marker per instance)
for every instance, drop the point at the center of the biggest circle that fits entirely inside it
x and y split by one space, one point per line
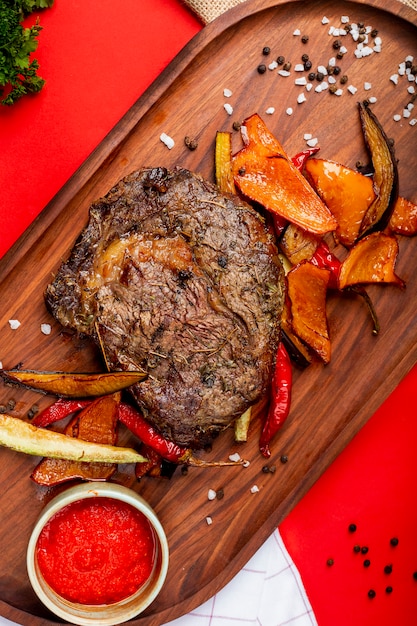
184 282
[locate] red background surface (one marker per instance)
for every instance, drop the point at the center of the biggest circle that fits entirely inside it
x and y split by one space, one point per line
98 58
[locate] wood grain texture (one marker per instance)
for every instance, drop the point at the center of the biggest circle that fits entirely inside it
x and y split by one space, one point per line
330 404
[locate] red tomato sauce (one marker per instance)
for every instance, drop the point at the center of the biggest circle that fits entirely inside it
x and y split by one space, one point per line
96 551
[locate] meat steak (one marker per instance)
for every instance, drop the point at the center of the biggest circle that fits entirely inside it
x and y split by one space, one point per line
185 283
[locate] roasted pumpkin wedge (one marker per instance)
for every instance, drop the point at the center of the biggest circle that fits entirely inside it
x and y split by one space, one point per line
96 423
347 193
371 260
73 385
403 220
307 291
263 173
385 178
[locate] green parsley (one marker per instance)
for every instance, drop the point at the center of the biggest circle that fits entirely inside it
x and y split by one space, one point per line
18 73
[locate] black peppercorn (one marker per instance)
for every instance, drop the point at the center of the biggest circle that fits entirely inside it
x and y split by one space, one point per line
237 125
337 44
319 76
305 58
374 33
307 65
332 89
336 70
191 144
304 39
261 68
266 50
284 459
312 76
344 79
241 171
220 494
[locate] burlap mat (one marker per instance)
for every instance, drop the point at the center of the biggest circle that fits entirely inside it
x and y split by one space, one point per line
208 10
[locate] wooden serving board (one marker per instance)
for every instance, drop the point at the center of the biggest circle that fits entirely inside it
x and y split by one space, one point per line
330 404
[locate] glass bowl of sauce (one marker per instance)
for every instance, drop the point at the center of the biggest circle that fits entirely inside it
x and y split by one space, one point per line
98 554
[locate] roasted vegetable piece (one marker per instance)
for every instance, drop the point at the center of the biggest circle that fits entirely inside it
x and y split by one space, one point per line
371 260
264 173
323 257
280 400
24 437
97 422
150 437
298 244
242 425
223 162
73 385
403 220
347 193
59 410
385 176
307 289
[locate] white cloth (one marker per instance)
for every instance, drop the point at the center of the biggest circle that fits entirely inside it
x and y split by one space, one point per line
268 591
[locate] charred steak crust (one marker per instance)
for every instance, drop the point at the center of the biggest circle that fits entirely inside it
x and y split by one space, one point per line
185 283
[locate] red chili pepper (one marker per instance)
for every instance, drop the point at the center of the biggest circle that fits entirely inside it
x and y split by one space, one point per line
301 157
280 400
58 411
325 259
140 427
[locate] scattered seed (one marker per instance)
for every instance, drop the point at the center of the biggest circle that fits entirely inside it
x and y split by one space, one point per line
394 541
388 589
356 548
352 528
330 562
32 411
371 593
3 409
11 404
415 575
388 569
283 458
366 563
364 549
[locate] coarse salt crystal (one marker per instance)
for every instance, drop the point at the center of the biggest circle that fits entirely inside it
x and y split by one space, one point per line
377 48
312 143
413 122
273 65
284 73
332 80
344 19
309 86
300 81
301 98
342 32
410 106
336 32
209 520
396 118
411 89
245 463
331 30
409 58
46 329
254 489
167 140
401 69
211 494
352 89
394 79
307 136
412 78
358 53
235 457
378 41
227 93
332 61
367 86
343 50
297 32
228 108
355 35
14 324
1 365
270 110
406 113
298 67
325 20
289 111
372 100
338 92
322 69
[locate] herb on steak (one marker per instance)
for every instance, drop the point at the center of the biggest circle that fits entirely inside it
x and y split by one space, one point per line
18 72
